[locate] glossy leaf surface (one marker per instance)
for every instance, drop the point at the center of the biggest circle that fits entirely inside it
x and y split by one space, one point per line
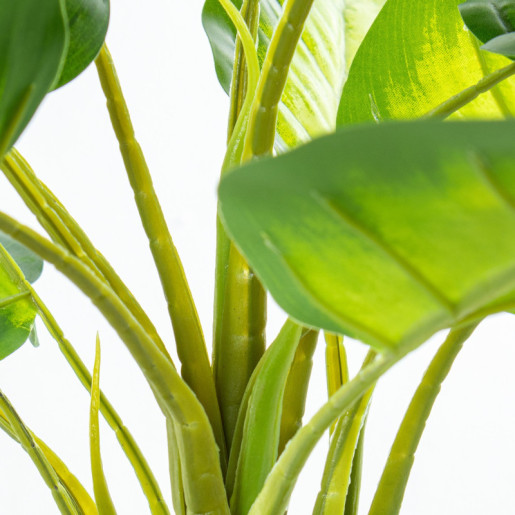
416 56
33 42
87 21
330 38
386 250
17 312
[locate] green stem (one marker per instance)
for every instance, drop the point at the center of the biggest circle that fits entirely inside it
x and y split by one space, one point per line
259 139
60 226
274 496
295 393
337 370
390 491
202 477
191 347
336 480
466 96
13 298
143 472
62 498
174 463
240 300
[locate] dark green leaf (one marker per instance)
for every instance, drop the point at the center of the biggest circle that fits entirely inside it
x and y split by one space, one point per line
33 39
488 19
31 265
87 21
415 56
504 45
386 232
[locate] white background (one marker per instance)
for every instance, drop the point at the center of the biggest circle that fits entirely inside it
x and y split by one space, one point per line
465 464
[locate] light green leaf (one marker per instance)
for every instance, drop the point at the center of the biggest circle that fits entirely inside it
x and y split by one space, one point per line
87 22
17 311
415 56
260 443
331 36
30 264
387 233
33 41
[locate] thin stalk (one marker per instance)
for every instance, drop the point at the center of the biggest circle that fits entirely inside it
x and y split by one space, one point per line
41 205
259 139
390 491
466 96
337 370
61 497
100 488
7 301
274 496
72 485
202 476
174 463
332 498
191 347
295 393
352 500
240 300
137 460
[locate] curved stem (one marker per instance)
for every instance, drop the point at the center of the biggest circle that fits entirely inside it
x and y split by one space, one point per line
61 226
24 436
203 478
191 347
466 96
390 491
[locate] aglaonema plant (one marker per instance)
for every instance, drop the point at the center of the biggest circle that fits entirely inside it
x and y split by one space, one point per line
344 191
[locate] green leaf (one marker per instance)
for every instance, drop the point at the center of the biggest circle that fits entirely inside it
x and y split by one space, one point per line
416 56
387 233
487 19
87 22
259 447
30 264
331 36
17 311
33 41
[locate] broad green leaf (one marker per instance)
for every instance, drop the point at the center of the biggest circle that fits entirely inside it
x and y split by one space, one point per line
386 233
415 56
260 443
30 264
330 38
17 311
33 40
87 21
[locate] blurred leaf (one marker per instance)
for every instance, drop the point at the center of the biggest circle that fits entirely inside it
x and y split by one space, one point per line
487 19
415 56
17 311
30 264
387 233
87 21
331 36
33 336
33 40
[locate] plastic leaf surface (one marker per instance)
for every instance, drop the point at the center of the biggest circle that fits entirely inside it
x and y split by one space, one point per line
87 21
416 56
30 264
331 36
385 250
17 311
33 42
